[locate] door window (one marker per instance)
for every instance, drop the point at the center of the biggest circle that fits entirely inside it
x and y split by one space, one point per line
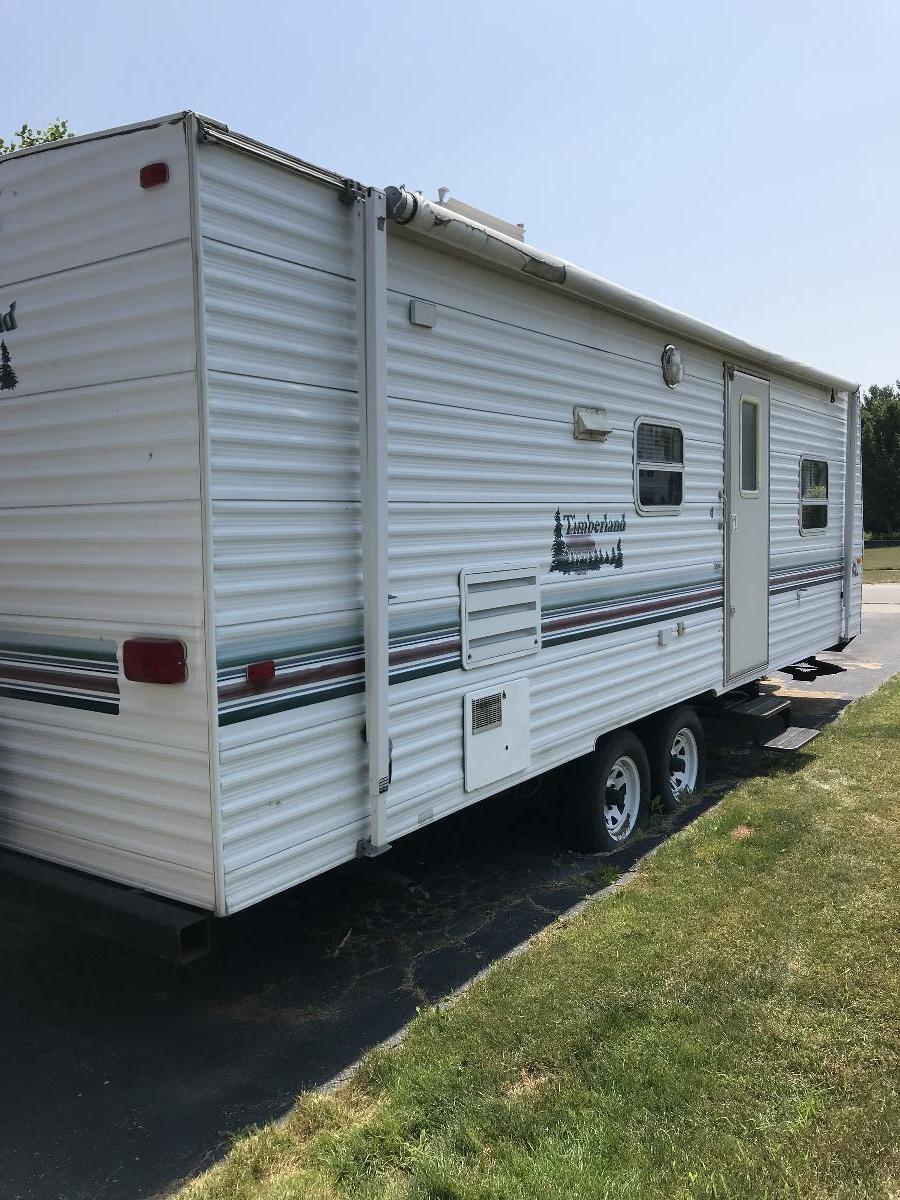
749 446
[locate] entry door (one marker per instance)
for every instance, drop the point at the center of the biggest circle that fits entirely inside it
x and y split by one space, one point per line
747 525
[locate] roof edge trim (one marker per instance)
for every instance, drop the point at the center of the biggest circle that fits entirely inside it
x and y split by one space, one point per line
413 210
99 135
213 132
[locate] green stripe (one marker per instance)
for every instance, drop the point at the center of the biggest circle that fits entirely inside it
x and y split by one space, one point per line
60 700
284 703
86 650
579 635
320 696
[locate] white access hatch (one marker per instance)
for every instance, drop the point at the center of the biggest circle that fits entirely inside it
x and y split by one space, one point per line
497 732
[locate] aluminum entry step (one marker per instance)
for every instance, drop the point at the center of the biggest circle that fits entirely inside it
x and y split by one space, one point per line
759 708
793 738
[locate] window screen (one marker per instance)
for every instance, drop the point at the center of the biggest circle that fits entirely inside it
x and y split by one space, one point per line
813 494
659 463
749 446
813 479
659 444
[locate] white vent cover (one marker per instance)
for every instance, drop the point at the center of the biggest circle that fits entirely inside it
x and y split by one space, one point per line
501 614
496 732
590 424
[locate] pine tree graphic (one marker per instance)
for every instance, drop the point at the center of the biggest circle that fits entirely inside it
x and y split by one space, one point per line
559 554
619 559
8 377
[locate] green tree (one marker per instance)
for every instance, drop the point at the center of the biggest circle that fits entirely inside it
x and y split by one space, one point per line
559 553
8 377
880 416
26 137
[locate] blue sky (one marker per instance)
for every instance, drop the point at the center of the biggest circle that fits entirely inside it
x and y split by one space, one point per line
738 161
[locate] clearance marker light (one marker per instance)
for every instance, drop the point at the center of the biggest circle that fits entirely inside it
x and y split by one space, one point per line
261 673
154 660
154 174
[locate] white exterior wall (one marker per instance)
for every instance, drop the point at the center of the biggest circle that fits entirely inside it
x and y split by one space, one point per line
107 506
280 317
100 538
805 569
481 454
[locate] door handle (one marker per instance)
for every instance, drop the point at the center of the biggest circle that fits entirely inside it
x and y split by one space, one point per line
734 523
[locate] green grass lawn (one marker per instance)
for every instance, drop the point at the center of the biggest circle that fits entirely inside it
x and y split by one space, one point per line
881 564
727 1024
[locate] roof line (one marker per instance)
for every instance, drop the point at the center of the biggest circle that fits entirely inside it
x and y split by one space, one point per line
217 133
79 139
467 236
470 237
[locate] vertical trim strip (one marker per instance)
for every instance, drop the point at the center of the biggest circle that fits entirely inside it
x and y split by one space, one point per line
372 220
852 450
209 616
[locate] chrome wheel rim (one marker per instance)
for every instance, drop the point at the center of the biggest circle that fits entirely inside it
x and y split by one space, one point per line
684 764
622 798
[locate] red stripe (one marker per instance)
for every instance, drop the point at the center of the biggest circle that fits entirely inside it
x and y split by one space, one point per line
408 654
810 573
576 620
300 677
405 655
76 680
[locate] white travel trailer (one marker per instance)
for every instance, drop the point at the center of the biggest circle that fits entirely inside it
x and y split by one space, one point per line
329 510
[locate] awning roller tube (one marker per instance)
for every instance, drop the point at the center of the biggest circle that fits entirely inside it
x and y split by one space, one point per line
427 217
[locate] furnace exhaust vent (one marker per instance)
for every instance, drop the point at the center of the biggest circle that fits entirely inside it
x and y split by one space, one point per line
487 713
496 733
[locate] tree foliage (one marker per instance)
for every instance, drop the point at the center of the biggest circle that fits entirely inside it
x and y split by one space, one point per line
8 378
881 459
26 137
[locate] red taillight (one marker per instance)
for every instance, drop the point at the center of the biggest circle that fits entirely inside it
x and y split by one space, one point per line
261 673
154 174
154 660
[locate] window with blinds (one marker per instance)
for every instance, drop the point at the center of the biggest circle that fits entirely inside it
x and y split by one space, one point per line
659 468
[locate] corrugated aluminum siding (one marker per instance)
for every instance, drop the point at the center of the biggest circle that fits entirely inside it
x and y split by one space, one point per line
481 455
804 423
101 532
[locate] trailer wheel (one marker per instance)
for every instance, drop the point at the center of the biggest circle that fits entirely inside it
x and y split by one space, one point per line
610 793
677 751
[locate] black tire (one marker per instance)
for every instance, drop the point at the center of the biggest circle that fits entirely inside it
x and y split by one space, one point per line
661 740
588 798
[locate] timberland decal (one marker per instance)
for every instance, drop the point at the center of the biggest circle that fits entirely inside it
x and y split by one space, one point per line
8 378
575 550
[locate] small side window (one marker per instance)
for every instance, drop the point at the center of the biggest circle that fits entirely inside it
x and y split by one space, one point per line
659 467
749 446
813 495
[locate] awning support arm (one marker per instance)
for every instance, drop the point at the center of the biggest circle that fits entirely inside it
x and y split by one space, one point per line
372 315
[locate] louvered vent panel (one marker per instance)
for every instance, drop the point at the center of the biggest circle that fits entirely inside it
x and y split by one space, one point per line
501 614
487 713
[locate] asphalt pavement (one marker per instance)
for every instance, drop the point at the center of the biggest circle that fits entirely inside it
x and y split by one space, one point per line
121 1075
